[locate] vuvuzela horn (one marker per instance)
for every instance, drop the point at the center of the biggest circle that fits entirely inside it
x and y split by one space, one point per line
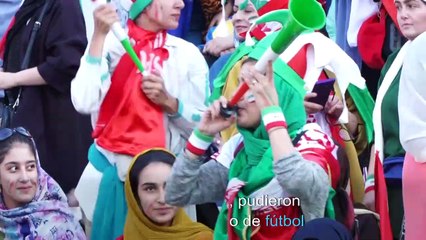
303 15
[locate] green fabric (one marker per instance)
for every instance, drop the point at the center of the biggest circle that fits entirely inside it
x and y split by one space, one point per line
220 80
137 8
254 163
257 4
111 208
365 105
390 120
329 207
281 69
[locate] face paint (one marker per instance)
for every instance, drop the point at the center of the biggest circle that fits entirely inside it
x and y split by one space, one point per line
250 98
161 15
11 186
18 176
157 11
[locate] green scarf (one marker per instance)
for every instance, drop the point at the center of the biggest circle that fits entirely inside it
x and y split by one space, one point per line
254 163
365 105
220 80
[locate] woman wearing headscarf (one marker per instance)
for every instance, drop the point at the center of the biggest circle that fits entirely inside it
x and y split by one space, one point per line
149 217
411 99
32 204
44 106
346 117
244 13
386 169
269 158
170 96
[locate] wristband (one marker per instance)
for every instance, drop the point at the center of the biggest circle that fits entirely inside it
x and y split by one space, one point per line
369 184
273 117
198 142
93 60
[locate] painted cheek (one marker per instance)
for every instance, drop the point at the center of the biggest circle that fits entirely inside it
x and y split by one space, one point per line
157 8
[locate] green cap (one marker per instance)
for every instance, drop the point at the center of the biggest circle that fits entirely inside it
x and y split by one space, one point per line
137 7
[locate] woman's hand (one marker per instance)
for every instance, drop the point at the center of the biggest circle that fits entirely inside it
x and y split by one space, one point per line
104 16
155 90
262 86
212 122
369 200
334 107
310 107
219 45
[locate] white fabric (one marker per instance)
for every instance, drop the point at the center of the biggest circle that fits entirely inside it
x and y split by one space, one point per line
412 100
377 112
361 10
226 155
184 72
320 119
87 190
88 6
322 54
181 74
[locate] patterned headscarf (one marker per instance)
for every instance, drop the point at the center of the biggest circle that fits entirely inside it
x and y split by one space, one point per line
47 216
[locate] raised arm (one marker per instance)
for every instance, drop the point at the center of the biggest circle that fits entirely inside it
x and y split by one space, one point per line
93 78
296 173
191 180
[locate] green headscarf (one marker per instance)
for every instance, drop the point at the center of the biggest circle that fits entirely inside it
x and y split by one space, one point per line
254 163
257 4
137 7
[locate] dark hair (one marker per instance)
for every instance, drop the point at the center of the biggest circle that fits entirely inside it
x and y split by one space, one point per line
7 144
143 160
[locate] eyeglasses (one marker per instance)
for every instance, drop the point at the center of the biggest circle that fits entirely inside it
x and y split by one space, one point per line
6 133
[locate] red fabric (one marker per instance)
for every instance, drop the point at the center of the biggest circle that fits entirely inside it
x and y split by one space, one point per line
299 63
280 4
3 40
271 125
335 130
128 121
381 197
230 195
272 228
371 38
272 6
326 160
391 10
120 238
193 149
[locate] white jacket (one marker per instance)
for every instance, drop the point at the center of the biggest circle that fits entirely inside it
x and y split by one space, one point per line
185 75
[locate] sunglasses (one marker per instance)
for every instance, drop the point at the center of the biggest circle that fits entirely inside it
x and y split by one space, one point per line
6 133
